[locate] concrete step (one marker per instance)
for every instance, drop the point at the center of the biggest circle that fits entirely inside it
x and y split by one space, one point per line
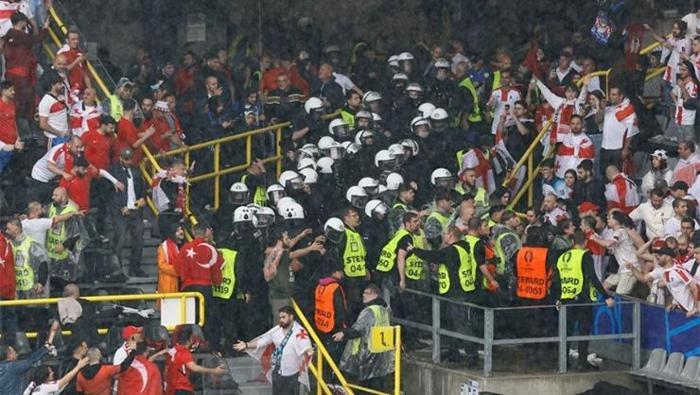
246 371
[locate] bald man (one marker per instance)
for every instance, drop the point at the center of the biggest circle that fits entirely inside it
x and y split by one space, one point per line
57 162
85 114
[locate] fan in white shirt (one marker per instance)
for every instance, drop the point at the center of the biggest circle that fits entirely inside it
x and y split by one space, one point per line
36 226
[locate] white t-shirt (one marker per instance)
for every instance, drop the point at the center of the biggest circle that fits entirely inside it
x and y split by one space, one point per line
672 227
51 388
679 46
36 228
56 111
624 250
499 99
294 350
57 155
654 218
677 281
620 122
682 115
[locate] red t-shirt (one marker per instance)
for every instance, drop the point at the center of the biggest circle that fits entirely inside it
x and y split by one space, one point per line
79 188
76 76
178 375
8 124
7 269
98 148
157 142
101 384
127 135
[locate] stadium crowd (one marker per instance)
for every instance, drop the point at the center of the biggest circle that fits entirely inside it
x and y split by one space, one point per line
397 173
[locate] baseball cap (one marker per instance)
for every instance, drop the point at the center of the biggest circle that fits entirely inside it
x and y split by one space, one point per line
124 82
660 153
658 244
130 330
679 185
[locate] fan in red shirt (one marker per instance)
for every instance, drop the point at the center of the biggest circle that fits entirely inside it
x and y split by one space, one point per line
128 135
9 139
180 364
99 143
7 269
78 187
159 141
77 77
21 62
96 378
143 377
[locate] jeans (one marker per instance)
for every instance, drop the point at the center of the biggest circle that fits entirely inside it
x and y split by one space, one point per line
5 157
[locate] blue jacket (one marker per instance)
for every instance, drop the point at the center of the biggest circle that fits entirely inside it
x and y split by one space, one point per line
12 380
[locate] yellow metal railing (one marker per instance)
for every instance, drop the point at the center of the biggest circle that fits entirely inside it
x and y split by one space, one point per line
183 296
322 356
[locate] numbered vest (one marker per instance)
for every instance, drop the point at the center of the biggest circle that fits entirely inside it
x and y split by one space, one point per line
467 270
441 218
57 234
387 257
324 313
228 275
414 265
24 272
533 278
116 108
473 240
381 318
354 254
475 115
570 269
260 195
443 279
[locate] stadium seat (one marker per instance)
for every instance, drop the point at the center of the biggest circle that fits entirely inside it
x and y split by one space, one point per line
689 375
654 364
672 369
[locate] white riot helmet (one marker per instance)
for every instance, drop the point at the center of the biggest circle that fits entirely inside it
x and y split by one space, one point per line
371 96
325 165
363 120
292 211
274 193
426 109
353 149
411 147
442 64
308 151
306 163
393 61
336 151
399 152
376 119
442 178
420 127
334 229
363 137
339 128
242 214
370 185
375 208
394 181
403 56
310 176
324 144
438 120
385 160
264 217
356 196
284 202
238 193
399 80
291 180
313 104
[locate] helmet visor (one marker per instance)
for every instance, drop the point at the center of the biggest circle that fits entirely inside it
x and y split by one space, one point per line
359 201
337 153
444 182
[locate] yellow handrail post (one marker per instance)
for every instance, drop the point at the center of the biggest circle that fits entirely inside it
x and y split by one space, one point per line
397 361
187 186
319 371
278 150
217 179
530 194
183 309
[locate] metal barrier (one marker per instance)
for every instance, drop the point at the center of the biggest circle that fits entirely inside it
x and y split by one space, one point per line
488 339
183 296
322 356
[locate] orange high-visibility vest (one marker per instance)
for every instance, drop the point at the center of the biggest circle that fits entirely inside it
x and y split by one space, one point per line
324 314
533 277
